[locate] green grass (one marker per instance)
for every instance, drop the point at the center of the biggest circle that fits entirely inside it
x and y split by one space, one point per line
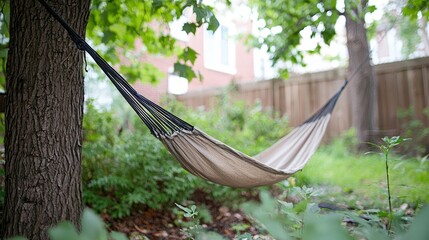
362 176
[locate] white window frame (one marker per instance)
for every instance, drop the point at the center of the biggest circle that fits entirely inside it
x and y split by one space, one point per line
176 85
213 49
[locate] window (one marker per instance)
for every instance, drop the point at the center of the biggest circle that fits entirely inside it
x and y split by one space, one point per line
219 49
177 85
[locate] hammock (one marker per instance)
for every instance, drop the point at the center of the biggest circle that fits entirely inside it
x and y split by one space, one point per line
206 157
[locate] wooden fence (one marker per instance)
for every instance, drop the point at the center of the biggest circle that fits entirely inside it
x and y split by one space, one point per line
400 85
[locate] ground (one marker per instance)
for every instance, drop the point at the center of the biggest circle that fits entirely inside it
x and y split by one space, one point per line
164 224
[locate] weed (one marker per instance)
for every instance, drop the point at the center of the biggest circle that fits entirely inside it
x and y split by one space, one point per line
385 148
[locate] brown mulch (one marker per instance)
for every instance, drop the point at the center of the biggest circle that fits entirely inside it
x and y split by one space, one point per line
162 224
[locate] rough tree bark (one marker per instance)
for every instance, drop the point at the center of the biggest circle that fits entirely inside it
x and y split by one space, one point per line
43 119
363 85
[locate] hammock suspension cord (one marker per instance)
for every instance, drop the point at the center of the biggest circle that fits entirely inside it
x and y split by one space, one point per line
158 120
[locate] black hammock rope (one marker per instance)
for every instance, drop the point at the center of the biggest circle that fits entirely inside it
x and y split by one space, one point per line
158 120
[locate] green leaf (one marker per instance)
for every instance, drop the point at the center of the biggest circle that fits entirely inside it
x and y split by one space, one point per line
118 236
184 71
213 24
4 52
418 229
185 209
108 36
200 12
189 28
371 8
64 231
92 225
188 54
109 24
118 29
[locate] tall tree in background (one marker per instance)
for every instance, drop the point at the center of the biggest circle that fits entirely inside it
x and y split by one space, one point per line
287 20
44 84
363 87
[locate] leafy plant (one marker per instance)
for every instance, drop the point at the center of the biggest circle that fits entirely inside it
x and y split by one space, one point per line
191 229
282 220
189 212
93 228
385 148
123 169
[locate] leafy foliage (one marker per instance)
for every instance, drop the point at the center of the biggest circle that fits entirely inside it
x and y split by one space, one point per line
388 143
284 220
188 212
112 26
125 167
4 40
115 26
93 228
407 25
285 22
414 7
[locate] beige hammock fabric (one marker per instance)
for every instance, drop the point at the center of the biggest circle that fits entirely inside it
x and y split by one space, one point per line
213 160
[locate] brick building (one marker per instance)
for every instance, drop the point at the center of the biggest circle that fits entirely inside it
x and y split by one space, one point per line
222 57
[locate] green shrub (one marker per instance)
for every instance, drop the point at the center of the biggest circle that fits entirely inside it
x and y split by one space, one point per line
124 166
414 128
122 169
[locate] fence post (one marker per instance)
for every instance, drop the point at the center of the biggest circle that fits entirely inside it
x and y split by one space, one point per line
275 93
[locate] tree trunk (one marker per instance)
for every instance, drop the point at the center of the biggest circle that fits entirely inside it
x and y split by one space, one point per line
363 86
43 119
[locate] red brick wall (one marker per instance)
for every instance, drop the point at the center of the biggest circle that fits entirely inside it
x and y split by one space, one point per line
211 78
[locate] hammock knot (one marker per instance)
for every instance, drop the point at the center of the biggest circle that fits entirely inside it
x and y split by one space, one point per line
80 45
